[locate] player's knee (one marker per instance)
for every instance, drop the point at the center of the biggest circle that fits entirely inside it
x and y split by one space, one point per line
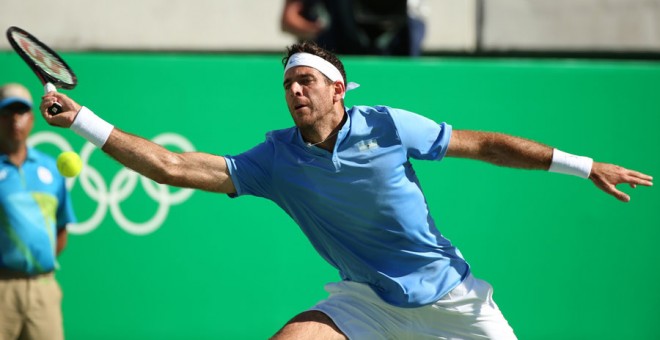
309 325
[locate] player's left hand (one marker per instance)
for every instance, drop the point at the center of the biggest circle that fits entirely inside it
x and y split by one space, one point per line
608 176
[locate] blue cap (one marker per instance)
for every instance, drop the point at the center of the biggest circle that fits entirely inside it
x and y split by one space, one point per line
14 93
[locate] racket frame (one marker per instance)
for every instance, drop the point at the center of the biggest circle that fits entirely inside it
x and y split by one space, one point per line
44 76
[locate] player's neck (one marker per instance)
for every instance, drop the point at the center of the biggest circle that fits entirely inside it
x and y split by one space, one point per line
326 140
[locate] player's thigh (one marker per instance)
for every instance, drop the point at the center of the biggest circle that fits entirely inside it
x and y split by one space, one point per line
467 312
310 325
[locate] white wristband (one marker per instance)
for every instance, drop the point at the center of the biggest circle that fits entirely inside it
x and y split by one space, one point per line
565 163
91 127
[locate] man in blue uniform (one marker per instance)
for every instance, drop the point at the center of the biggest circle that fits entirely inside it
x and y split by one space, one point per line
34 211
344 175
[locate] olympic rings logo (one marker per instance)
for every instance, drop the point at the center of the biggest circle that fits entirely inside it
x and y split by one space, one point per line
121 187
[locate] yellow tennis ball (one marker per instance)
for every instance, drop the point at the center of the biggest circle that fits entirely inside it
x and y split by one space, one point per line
69 164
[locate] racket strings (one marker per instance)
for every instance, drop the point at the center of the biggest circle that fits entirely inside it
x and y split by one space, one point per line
44 59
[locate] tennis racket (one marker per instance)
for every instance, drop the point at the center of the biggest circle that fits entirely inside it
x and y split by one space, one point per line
53 72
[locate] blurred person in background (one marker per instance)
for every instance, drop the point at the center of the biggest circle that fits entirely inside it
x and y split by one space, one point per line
35 209
361 27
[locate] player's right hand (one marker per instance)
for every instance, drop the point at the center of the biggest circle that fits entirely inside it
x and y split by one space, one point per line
69 109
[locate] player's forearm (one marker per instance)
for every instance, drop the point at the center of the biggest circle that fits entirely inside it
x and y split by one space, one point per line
144 157
515 152
500 149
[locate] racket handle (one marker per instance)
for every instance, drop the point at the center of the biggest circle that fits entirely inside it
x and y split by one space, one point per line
48 87
56 107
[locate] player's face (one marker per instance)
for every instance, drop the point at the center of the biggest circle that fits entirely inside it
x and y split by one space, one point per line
309 95
16 122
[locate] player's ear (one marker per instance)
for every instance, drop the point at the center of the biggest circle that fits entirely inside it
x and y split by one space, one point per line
340 90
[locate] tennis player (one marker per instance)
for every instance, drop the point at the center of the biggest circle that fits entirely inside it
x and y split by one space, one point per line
344 176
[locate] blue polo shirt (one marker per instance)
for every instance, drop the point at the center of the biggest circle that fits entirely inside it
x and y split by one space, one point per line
362 206
34 204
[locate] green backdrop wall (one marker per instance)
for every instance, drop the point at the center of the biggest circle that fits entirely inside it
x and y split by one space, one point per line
566 260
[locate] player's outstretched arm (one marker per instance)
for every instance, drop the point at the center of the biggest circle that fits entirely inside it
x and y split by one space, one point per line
189 169
608 176
505 150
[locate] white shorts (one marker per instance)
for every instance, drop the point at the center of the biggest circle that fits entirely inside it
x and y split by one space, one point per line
466 312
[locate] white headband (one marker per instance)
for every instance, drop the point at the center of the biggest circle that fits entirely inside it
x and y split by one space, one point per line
322 65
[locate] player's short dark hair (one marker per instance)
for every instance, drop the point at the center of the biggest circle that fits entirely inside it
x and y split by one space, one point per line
312 48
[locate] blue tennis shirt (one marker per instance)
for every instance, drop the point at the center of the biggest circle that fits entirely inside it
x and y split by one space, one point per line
34 204
362 206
